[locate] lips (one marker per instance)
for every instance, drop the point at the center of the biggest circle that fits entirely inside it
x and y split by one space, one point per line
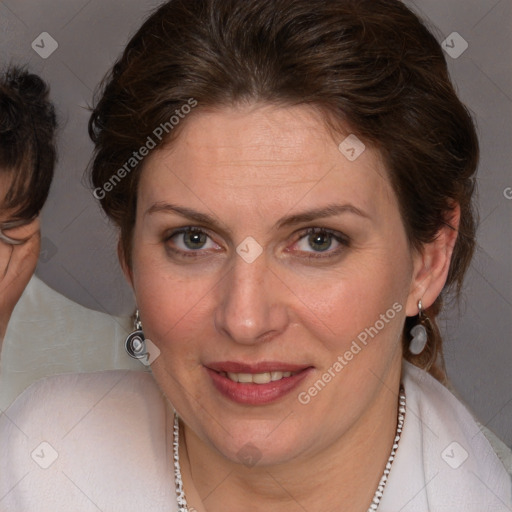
264 366
255 384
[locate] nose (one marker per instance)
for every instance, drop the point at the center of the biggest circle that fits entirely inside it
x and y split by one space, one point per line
251 307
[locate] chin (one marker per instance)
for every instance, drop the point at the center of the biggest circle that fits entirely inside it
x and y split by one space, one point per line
249 449
257 442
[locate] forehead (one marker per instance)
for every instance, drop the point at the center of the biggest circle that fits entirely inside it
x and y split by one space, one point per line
265 155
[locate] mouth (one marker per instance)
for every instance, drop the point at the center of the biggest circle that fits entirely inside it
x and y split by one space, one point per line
257 378
256 384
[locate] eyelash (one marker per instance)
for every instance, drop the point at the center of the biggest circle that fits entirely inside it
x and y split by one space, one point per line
342 239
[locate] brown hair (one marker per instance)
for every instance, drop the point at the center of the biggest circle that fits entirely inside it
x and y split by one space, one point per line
27 141
371 65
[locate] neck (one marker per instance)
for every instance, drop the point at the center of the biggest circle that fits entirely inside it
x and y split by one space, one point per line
344 475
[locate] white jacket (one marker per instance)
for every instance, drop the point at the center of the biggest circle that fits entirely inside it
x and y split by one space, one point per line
102 441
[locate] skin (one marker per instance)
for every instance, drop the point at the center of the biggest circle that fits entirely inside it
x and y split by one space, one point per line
248 167
17 262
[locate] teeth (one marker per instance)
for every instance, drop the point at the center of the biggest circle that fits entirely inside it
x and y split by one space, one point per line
244 377
258 378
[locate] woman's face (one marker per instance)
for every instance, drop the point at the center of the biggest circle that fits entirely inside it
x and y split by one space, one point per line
260 249
17 261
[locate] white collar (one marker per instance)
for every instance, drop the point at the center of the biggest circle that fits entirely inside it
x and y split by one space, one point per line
443 462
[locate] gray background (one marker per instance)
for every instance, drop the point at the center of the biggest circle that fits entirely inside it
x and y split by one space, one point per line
78 256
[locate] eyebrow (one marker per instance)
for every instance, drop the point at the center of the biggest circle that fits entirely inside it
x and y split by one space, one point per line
330 210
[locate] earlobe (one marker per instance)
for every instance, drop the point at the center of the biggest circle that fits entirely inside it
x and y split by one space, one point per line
432 263
127 271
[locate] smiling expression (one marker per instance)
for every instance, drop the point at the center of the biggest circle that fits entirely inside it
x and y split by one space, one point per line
326 254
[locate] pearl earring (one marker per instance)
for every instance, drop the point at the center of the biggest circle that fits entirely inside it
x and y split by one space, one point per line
419 333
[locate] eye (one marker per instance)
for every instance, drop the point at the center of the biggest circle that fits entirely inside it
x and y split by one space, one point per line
316 241
189 240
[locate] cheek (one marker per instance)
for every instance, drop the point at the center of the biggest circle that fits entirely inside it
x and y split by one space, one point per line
29 260
338 306
328 308
5 255
173 306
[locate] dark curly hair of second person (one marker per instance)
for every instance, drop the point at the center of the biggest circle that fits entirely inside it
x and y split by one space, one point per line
27 143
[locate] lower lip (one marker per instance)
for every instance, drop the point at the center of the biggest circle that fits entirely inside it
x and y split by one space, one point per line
256 394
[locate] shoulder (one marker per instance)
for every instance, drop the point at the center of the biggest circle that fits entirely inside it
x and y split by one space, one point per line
457 458
61 400
85 387
67 337
91 436
436 402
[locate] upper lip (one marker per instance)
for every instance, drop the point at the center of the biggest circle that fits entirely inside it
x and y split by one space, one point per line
261 367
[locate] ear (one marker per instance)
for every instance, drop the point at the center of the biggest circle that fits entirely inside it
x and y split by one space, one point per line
432 263
127 271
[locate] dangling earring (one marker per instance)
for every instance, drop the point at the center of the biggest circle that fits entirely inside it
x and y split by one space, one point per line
135 343
419 333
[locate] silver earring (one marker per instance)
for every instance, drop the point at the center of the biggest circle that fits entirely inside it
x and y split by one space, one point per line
135 343
419 333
